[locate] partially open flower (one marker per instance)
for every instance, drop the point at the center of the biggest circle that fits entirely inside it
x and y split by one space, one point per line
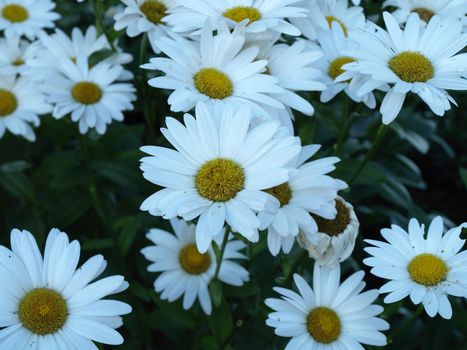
335 239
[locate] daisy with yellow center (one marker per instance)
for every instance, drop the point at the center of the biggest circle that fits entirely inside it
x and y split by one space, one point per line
218 171
184 271
47 300
425 266
330 315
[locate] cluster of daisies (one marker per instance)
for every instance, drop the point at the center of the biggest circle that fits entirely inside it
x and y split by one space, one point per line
235 171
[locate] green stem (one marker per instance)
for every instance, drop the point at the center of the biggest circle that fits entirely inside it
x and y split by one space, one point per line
346 120
405 324
376 143
221 253
100 22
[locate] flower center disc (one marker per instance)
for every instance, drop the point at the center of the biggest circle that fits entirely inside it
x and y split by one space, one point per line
335 67
86 93
424 13
336 226
213 83
331 19
43 311
427 269
8 103
412 67
282 192
324 325
192 261
154 11
15 13
220 179
239 13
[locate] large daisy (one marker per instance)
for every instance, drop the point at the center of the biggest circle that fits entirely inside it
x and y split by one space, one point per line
47 303
308 190
328 316
427 267
216 69
21 103
91 95
259 15
26 17
187 272
416 59
218 171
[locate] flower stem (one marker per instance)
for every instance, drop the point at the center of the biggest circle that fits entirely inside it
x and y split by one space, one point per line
221 252
100 22
406 323
376 143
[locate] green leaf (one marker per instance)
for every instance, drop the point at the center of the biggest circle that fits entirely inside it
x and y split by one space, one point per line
14 167
128 228
97 244
221 322
121 172
17 184
463 175
215 289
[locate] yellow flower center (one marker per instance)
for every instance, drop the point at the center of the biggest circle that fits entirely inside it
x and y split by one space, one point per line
335 67
43 311
336 226
213 83
424 13
15 13
18 62
324 325
427 269
412 67
8 103
282 192
331 19
154 11
220 179
86 93
240 13
192 261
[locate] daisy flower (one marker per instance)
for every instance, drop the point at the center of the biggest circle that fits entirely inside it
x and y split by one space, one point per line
426 9
47 303
308 190
334 240
218 171
89 94
21 103
427 268
26 17
17 55
415 59
187 272
322 13
330 315
259 15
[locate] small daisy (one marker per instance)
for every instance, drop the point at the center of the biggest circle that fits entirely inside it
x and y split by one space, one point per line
17 55
416 59
89 94
218 172
427 267
21 103
47 303
185 271
426 9
322 13
259 15
308 190
334 240
330 316
217 70
26 17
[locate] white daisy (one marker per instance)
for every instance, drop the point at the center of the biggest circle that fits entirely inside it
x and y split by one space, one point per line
21 103
322 13
89 94
427 267
218 171
216 69
259 15
47 303
416 59
334 240
185 271
308 190
26 17
328 316
426 9
17 55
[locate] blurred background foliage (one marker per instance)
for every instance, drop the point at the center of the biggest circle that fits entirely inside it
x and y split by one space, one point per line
91 187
